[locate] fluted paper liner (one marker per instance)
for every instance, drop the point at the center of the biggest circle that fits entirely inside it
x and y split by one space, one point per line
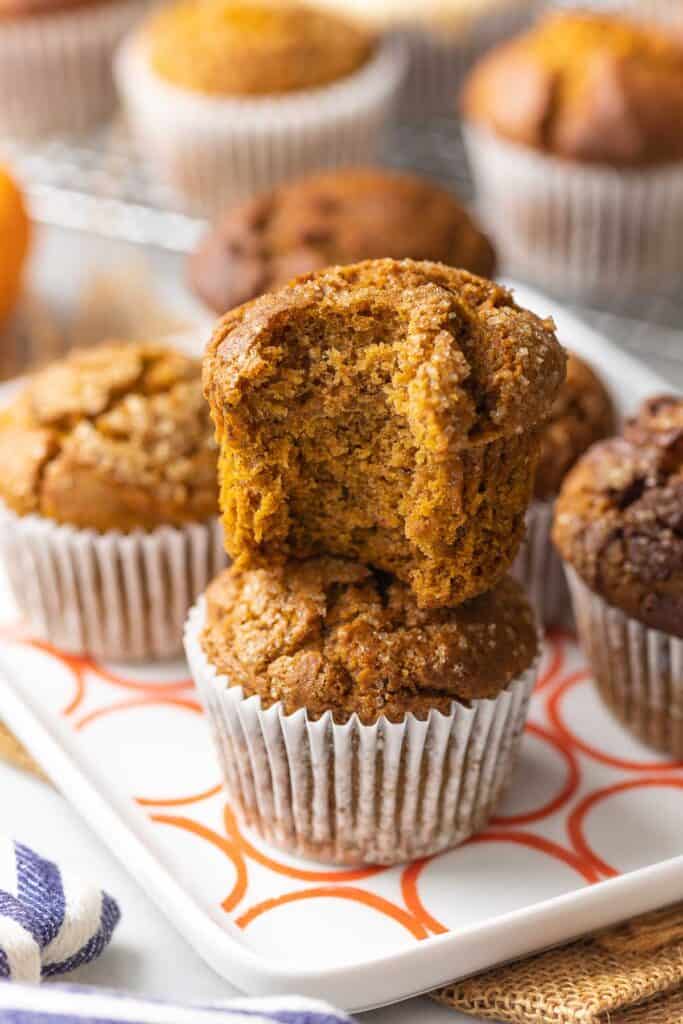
638 670
56 66
538 567
576 228
214 150
354 793
111 595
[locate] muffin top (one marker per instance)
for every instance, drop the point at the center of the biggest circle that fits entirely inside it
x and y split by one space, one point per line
335 217
582 414
332 635
619 517
587 87
116 437
444 17
253 47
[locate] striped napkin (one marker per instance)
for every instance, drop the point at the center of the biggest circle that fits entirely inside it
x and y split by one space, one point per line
68 1004
50 921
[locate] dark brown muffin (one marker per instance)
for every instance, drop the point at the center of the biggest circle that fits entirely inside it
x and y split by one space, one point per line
582 414
388 412
619 523
116 437
659 420
326 634
333 218
585 86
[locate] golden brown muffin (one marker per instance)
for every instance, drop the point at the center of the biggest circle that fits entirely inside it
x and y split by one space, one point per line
253 47
116 437
388 412
619 520
334 217
582 414
331 635
585 86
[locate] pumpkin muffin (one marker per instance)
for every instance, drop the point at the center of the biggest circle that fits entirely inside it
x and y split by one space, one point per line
582 111
618 527
389 412
346 653
55 63
108 485
336 217
231 96
582 414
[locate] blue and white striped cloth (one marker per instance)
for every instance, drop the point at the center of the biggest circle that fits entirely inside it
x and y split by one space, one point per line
50 921
67 1004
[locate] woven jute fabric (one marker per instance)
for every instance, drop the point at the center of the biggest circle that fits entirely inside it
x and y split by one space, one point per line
602 979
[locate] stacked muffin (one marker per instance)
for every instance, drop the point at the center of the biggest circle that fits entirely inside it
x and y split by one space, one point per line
365 663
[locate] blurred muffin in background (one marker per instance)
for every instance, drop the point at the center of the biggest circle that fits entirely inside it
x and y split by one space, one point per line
582 414
108 499
15 232
443 38
330 218
574 134
228 97
56 62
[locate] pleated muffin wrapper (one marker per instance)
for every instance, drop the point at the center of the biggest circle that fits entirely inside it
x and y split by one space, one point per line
56 66
213 151
112 595
353 793
539 568
638 671
579 229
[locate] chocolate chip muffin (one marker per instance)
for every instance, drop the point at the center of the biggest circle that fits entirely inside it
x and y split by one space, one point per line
108 488
573 135
619 527
582 414
332 218
389 412
330 656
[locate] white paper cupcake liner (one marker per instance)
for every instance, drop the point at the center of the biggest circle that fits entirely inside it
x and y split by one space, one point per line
354 793
112 595
439 60
538 567
56 67
638 670
214 151
573 228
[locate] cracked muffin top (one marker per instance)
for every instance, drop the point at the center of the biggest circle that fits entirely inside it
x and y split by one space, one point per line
585 86
619 517
582 414
334 217
115 437
253 47
332 635
387 412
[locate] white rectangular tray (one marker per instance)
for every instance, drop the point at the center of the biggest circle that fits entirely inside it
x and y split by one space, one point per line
590 832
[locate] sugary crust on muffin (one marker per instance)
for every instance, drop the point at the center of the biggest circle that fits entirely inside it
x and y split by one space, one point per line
253 47
334 217
115 437
619 523
585 86
386 412
583 413
333 635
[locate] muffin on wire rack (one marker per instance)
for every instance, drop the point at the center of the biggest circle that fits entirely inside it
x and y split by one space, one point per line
619 528
573 133
352 726
582 414
108 493
229 97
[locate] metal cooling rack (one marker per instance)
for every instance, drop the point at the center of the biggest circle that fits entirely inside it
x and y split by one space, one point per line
99 185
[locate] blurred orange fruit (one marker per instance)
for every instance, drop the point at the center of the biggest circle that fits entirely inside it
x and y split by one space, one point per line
15 233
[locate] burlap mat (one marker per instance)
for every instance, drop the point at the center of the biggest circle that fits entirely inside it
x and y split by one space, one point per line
626 975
